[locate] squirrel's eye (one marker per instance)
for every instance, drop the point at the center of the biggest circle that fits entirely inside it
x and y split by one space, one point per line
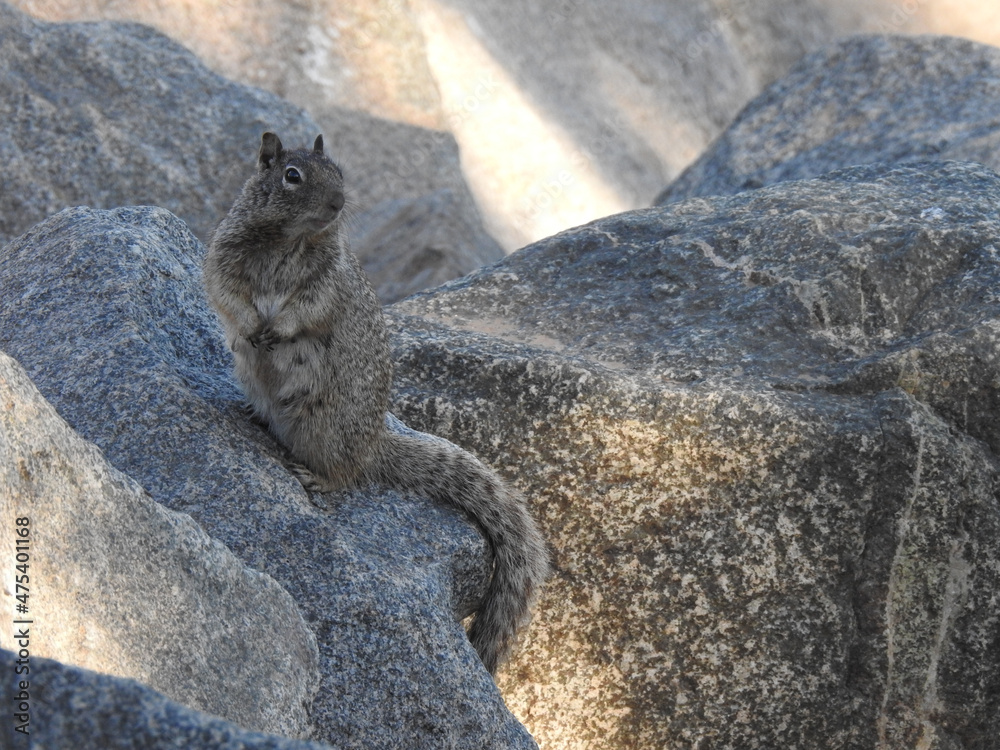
292 176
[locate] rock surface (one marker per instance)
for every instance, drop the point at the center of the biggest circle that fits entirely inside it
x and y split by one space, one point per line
760 432
114 114
564 111
85 710
106 312
365 54
120 585
890 99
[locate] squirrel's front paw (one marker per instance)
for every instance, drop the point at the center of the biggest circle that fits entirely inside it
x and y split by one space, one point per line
265 338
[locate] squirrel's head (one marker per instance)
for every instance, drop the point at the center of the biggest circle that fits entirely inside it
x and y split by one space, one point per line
302 189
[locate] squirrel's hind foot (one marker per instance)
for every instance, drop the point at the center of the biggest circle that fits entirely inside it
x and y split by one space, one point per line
316 488
309 481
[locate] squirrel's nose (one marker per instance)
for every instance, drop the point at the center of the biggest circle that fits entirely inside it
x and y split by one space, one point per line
337 201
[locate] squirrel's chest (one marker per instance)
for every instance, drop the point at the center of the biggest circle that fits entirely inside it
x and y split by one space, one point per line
269 304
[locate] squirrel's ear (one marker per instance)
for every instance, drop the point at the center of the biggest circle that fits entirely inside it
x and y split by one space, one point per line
318 146
270 148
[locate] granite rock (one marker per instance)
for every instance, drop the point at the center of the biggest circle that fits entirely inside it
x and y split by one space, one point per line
119 584
106 312
366 54
759 432
110 114
73 707
407 245
866 99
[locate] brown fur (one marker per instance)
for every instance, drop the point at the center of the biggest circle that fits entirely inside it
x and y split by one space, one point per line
312 354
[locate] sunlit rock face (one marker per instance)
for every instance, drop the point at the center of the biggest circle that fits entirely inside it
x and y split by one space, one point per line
760 433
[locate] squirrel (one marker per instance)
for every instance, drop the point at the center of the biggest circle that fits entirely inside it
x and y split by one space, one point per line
311 352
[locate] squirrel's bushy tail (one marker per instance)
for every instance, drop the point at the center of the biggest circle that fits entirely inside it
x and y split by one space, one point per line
442 471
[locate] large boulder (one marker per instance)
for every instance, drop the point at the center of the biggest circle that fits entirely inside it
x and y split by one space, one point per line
760 433
60 706
890 99
106 312
365 54
111 114
118 584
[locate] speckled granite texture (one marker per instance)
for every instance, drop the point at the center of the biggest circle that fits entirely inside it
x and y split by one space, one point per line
760 433
106 312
